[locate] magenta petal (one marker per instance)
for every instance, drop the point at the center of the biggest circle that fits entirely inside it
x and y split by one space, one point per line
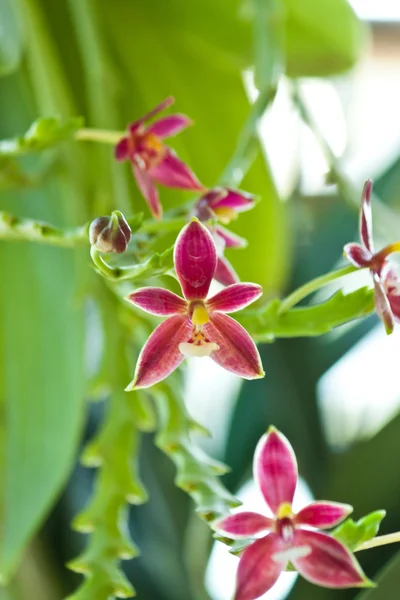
275 469
161 355
231 240
366 217
149 190
382 305
328 563
391 285
224 272
243 525
323 514
158 301
238 201
168 126
159 108
195 259
234 297
173 172
357 255
237 352
122 149
257 571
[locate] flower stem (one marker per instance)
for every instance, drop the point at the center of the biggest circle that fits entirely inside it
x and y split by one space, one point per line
312 286
380 540
104 136
248 143
14 228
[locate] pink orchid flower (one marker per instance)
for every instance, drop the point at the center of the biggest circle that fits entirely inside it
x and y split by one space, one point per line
288 537
386 281
224 205
153 161
196 325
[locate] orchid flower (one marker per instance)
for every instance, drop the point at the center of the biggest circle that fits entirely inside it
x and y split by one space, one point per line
153 161
196 325
386 281
288 538
224 205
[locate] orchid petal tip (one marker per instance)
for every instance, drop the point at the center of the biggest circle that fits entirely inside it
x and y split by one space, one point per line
131 387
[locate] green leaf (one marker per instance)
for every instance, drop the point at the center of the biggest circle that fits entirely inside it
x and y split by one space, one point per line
41 386
387 582
268 324
354 533
322 38
43 133
10 37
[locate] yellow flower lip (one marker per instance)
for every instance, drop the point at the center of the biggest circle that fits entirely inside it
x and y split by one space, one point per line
225 214
285 510
200 315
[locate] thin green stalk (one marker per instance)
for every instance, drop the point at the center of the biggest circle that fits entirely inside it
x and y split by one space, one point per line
248 143
312 286
104 136
380 540
14 228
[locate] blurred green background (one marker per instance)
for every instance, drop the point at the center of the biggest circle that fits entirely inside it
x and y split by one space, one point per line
111 62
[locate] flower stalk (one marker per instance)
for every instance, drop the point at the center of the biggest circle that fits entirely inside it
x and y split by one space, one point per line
312 286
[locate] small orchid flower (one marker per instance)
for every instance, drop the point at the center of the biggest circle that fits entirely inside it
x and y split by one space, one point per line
196 326
288 537
153 161
223 205
386 281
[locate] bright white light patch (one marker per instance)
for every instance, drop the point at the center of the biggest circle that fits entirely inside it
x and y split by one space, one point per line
292 554
361 392
372 10
222 566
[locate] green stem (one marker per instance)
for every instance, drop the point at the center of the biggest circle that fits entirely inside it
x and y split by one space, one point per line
380 540
248 143
157 264
312 286
14 228
104 136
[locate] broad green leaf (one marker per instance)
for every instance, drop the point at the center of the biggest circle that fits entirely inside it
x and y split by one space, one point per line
387 582
43 133
354 533
10 37
42 325
322 38
267 324
42 387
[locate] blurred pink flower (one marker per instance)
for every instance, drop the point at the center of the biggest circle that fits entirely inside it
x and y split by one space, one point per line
196 326
287 537
386 281
153 161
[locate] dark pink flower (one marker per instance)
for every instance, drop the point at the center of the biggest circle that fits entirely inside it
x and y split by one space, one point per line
223 205
363 255
153 161
196 326
288 537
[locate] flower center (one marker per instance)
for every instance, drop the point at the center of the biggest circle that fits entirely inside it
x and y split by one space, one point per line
285 529
199 315
147 149
225 214
199 344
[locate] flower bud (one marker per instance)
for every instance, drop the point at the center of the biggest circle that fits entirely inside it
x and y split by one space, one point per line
110 234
